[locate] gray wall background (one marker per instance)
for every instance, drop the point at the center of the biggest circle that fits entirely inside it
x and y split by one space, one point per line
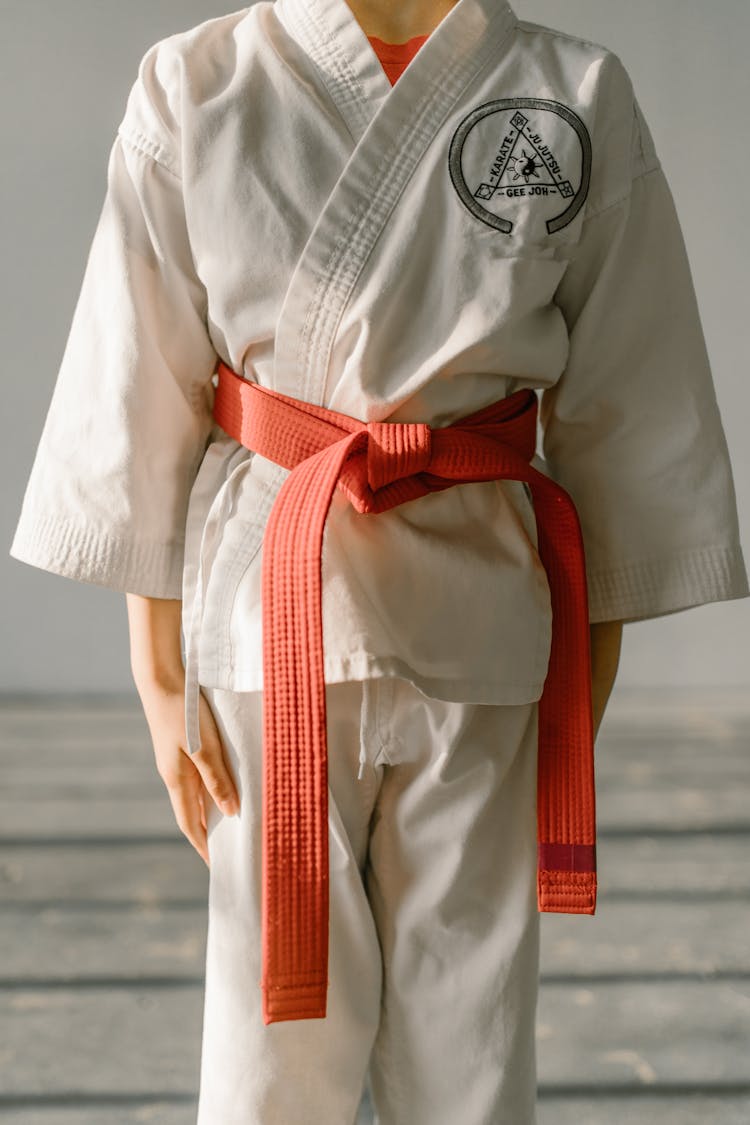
66 68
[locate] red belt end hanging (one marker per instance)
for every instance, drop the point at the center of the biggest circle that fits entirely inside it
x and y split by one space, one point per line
566 878
303 1002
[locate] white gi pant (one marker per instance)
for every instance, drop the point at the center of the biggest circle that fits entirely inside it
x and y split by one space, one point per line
434 929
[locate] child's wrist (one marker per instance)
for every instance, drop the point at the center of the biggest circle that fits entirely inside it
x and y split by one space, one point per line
155 649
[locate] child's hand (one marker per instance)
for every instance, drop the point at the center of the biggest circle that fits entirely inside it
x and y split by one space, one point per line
190 779
159 675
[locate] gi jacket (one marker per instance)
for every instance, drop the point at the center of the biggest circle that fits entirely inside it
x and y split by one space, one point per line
498 219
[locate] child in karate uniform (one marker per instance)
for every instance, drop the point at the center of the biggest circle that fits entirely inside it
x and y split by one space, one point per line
432 829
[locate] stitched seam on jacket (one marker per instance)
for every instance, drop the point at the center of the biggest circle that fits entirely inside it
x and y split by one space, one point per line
623 198
669 559
146 147
530 28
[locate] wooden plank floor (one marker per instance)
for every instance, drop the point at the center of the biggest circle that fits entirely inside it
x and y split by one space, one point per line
645 1009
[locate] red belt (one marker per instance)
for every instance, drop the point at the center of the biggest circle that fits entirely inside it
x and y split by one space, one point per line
379 465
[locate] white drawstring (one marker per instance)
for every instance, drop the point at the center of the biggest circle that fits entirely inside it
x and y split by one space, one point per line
365 715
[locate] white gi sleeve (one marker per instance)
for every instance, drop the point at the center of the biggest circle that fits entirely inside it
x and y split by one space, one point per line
130 413
632 429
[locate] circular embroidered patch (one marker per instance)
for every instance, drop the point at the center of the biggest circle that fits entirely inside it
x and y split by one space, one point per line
522 160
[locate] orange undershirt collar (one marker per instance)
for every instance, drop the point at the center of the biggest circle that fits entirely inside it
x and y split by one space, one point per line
395 57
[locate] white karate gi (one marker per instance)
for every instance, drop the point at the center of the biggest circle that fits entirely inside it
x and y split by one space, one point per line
498 219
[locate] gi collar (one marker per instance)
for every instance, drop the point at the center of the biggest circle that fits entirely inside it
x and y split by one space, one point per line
329 33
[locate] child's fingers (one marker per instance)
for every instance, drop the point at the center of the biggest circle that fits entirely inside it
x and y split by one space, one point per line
186 805
202 800
212 764
185 775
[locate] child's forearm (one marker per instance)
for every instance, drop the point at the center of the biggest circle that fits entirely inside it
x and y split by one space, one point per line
606 638
155 649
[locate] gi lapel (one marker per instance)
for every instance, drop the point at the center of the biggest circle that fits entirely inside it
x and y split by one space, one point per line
392 128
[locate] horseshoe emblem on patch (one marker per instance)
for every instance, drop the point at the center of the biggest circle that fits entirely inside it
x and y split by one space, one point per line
522 161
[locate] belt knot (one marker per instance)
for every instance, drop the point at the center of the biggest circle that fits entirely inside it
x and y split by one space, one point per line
395 450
